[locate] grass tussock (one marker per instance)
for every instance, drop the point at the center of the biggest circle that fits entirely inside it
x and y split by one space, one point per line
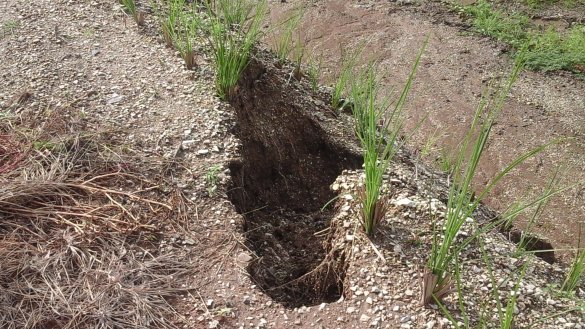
80 229
378 125
284 36
235 27
131 9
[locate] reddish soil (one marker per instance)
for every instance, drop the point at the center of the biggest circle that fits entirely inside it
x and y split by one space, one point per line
455 70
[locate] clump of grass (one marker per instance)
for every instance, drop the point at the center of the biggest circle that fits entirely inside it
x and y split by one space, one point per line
552 50
235 28
445 161
576 270
379 143
430 145
130 8
212 179
298 55
186 35
284 43
8 27
169 17
541 206
181 25
462 202
504 315
509 28
348 63
535 4
313 72
542 51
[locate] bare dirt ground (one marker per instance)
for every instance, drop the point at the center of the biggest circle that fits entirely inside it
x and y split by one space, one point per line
455 70
176 210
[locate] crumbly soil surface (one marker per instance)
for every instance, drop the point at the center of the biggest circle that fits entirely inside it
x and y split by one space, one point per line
277 242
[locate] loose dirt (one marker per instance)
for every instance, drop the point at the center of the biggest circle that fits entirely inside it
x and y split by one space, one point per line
290 157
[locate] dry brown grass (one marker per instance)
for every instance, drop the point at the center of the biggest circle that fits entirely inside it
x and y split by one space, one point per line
80 229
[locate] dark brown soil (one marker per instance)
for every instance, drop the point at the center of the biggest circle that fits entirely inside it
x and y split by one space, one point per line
289 159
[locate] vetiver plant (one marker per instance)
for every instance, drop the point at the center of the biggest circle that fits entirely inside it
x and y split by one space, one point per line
169 18
235 28
313 72
283 44
130 8
504 314
462 202
348 62
379 143
298 54
186 34
577 268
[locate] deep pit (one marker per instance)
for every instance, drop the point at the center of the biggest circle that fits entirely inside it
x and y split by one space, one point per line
291 153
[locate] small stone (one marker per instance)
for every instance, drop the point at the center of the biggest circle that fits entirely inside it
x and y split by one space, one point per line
405 202
409 293
396 308
364 318
397 249
430 324
203 152
114 99
405 319
369 300
213 324
262 323
350 310
243 258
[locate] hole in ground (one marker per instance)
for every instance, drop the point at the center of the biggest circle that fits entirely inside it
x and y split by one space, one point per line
290 156
541 248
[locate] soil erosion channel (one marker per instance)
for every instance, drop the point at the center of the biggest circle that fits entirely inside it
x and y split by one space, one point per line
290 157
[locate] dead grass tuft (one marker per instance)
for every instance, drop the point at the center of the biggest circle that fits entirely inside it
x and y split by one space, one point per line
80 229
